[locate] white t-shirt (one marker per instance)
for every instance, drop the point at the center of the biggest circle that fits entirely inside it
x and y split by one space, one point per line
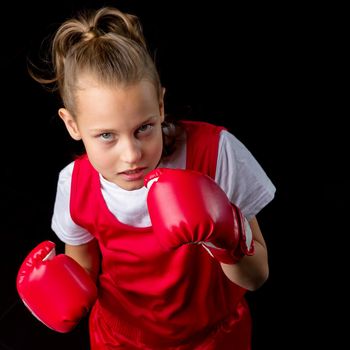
237 173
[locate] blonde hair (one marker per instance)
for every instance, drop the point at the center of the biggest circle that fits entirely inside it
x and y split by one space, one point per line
106 43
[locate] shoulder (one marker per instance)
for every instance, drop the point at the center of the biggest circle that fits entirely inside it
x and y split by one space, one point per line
235 155
231 144
241 176
66 173
65 180
192 126
202 141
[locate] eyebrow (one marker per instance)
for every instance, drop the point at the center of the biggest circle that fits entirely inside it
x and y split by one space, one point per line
151 118
136 127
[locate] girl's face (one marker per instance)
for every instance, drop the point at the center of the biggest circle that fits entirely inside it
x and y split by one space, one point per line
120 128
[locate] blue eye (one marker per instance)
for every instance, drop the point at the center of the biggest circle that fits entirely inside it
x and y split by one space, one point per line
144 128
106 136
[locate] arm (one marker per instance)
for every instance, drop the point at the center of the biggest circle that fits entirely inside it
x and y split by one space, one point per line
251 271
189 207
87 255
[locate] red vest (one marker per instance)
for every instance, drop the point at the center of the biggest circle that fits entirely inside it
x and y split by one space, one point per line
151 298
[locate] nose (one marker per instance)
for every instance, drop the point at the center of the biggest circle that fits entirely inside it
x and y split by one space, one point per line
131 151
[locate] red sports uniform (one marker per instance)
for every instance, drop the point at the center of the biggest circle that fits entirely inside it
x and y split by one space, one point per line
150 298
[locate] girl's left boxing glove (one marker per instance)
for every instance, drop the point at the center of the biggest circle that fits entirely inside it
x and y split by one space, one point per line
56 289
189 207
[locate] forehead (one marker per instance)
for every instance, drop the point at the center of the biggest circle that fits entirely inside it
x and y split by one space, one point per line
96 100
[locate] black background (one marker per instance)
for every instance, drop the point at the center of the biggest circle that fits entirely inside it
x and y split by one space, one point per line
273 75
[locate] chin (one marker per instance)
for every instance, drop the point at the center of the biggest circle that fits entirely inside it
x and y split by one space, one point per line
132 186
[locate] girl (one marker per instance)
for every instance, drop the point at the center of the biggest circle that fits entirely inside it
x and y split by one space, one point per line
148 297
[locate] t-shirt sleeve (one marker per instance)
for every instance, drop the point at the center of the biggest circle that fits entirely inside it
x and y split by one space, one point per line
242 178
62 224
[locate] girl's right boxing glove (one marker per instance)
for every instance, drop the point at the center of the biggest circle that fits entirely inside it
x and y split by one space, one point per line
56 289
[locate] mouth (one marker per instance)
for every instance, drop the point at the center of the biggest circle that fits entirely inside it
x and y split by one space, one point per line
133 174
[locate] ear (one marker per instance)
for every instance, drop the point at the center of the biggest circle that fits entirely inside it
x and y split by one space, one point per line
70 123
161 104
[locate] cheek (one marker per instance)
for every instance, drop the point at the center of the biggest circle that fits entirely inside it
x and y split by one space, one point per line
156 147
98 156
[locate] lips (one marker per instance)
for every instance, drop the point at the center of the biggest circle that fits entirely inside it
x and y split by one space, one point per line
133 174
132 171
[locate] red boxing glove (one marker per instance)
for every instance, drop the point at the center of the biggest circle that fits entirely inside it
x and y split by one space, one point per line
56 289
188 207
